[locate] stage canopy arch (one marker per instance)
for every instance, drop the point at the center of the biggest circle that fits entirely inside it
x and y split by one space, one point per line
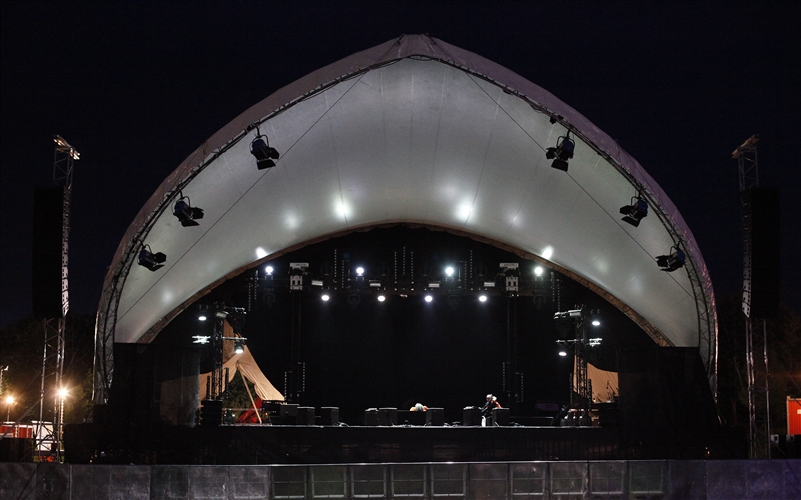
412 131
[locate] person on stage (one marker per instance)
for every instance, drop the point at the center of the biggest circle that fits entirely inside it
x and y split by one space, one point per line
486 410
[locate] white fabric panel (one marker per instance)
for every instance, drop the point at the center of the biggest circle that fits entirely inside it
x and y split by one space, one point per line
414 141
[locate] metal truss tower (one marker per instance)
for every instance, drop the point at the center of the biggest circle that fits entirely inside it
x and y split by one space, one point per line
52 387
755 328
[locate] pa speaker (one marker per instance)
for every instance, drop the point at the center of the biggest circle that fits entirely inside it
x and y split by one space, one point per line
763 205
48 208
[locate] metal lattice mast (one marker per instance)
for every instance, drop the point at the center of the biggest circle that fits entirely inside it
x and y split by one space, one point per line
54 328
755 328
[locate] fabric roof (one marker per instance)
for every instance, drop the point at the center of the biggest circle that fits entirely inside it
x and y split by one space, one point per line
412 131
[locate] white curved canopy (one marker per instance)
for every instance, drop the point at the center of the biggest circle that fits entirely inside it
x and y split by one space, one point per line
412 131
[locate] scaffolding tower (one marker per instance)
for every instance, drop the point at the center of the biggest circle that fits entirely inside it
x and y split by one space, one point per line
52 386
755 328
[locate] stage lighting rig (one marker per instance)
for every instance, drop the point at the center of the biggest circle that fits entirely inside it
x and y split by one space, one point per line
150 260
297 272
510 277
260 148
635 212
186 213
672 261
562 152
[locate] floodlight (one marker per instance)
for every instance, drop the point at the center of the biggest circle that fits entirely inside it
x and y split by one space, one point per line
482 298
382 298
635 212
9 400
429 298
672 261
260 148
63 393
595 322
269 270
449 271
325 297
150 260
239 346
360 271
538 271
202 317
186 213
561 153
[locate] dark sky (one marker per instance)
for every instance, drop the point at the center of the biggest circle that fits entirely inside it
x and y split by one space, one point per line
137 86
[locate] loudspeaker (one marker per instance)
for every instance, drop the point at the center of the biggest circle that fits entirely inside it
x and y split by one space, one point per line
48 207
329 415
371 417
762 206
305 415
211 411
500 416
435 417
388 416
471 416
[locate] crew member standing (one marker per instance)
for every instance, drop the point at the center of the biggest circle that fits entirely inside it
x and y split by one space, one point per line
486 410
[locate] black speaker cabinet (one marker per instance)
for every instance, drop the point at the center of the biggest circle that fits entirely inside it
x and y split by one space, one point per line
388 416
329 415
371 417
500 416
305 415
471 416
435 417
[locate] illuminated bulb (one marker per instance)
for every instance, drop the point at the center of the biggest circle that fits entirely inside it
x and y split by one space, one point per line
359 271
381 298
482 298
325 297
202 317
538 271
63 393
562 353
449 271
269 270
595 322
429 298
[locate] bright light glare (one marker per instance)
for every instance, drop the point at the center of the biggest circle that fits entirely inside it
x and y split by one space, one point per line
325 297
359 271
261 253
63 393
429 298
269 270
538 271
562 353
382 298
547 252
449 271
9 400
482 298
202 317
595 322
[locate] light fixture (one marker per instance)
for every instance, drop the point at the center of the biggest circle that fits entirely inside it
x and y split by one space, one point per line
201 339
562 352
538 271
672 261
429 298
150 260
595 322
360 271
449 271
325 297
202 317
562 152
635 212
63 393
185 212
482 298
269 270
382 297
260 148
239 346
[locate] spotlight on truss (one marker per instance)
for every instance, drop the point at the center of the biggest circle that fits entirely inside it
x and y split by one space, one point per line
149 260
260 148
561 153
186 213
635 212
672 261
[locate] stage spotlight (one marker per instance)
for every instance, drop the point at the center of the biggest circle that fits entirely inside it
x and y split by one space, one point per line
562 352
538 271
482 298
186 213
382 298
561 153
202 317
269 270
239 346
672 261
635 212
360 271
449 271
325 297
260 148
150 260
429 298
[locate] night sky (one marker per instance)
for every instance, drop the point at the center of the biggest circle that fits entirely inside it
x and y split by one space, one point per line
138 86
